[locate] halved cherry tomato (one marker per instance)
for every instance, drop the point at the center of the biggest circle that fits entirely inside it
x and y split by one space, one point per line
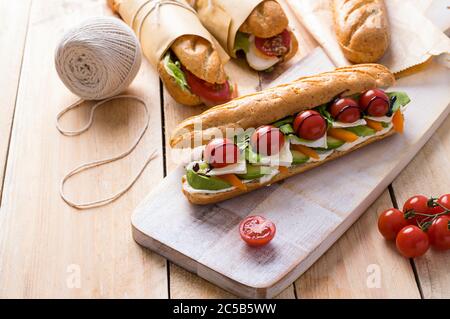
439 233
374 102
345 110
257 230
210 93
419 204
310 125
412 241
390 222
267 140
221 152
278 45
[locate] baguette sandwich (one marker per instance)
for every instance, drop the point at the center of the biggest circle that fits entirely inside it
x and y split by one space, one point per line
189 65
263 37
362 29
265 137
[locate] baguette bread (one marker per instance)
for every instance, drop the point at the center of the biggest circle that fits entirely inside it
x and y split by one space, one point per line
362 29
206 198
266 20
268 106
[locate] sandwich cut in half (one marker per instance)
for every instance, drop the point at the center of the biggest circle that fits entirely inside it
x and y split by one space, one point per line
265 137
257 29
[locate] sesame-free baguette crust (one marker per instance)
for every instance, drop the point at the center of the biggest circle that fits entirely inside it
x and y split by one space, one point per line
270 105
205 198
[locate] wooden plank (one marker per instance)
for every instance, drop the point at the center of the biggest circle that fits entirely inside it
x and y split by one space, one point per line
429 174
48 249
13 30
361 264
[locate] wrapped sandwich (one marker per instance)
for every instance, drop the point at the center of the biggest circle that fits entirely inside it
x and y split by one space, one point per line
188 59
265 137
258 29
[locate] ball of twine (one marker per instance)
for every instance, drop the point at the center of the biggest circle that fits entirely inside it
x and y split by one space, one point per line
99 58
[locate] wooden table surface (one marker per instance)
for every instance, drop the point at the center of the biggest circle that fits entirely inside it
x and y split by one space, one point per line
48 249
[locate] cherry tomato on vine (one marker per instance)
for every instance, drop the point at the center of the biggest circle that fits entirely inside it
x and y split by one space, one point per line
390 222
444 200
412 241
374 102
439 233
257 230
419 204
267 140
221 152
310 125
345 110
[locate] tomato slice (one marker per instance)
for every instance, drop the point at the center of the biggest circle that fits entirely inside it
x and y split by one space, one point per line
277 45
257 230
210 93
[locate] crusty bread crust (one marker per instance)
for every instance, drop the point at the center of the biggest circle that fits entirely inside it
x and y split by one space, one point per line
205 198
270 105
181 96
198 56
362 29
266 20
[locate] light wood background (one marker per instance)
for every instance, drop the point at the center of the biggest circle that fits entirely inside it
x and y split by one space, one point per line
48 249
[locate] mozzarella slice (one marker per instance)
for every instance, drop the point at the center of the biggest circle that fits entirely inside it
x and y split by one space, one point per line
359 122
283 158
238 168
321 142
256 60
385 119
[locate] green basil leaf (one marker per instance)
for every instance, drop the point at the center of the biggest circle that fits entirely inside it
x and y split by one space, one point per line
241 42
251 156
322 109
174 70
287 129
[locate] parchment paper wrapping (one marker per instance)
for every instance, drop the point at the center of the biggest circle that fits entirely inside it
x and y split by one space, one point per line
414 39
223 18
161 28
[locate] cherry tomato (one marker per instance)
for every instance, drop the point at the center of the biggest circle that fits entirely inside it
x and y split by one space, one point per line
374 102
418 203
390 222
444 200
221 152
439 233
267 140
257 230
210 93
345 110
310 125
278 45
412 241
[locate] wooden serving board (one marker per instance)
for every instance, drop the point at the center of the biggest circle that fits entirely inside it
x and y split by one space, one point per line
311 210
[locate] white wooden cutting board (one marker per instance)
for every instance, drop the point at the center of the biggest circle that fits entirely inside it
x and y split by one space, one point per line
311 210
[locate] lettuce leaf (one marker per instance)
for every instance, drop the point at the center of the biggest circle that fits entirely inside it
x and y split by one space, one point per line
398 99
174 70
241 42
322 109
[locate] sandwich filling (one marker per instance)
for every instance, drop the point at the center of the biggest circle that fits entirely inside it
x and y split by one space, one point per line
209 93
258 156
263 53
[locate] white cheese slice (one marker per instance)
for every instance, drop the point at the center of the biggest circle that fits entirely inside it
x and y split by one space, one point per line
268 177
359 122
322 155
238 168
385 119
347 146
283 158
256 60
321 142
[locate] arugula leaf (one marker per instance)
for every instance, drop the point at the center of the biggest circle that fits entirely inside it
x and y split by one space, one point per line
174 70
286 120
398 99
241 42
322 109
